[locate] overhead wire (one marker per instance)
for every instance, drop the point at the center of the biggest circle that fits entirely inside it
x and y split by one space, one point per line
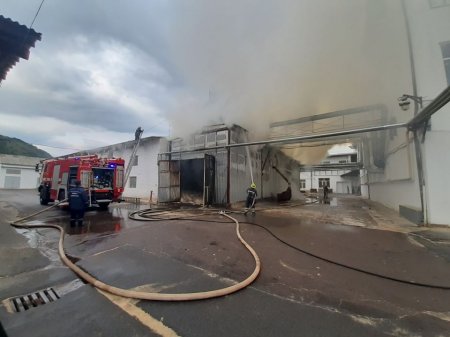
37 13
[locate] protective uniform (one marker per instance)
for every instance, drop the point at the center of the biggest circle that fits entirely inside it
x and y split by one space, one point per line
77 204
251 198
138 133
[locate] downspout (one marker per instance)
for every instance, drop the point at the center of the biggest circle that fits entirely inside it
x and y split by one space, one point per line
417 146
228 169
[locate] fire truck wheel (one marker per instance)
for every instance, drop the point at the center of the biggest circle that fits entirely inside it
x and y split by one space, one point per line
43 196
103 206
61 195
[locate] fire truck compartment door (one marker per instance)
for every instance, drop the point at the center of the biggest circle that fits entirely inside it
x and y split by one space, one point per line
119 176
55 178
86 178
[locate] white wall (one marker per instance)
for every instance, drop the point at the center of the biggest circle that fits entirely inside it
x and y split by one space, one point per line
430 27
146 172
398 183
437 167
28 176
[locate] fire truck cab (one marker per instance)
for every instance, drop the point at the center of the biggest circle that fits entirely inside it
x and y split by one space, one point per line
102 178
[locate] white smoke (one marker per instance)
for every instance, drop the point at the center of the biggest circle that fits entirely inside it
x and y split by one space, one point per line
256 62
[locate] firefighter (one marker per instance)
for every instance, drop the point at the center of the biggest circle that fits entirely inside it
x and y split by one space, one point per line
138 133
77 203
325 192
251 198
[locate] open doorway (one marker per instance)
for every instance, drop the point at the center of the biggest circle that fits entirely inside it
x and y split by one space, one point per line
197 180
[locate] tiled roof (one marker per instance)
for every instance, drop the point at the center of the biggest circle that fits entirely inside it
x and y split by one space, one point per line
15 43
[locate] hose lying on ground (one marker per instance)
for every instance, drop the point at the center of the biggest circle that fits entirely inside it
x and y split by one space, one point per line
152 215
148 295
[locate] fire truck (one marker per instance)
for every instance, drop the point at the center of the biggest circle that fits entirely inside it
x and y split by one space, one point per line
103 179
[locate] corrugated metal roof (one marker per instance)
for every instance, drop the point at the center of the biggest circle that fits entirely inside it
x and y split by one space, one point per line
8 159
15 43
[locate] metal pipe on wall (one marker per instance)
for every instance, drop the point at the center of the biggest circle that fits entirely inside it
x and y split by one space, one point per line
298 139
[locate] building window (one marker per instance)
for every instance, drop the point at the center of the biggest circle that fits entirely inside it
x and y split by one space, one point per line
445 47
12 171
302 183
133 181
342 161
439 3
136 160
324 182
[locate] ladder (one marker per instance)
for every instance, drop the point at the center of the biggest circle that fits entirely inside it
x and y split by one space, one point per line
131 161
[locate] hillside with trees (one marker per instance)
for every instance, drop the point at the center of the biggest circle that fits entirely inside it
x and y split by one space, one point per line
15 146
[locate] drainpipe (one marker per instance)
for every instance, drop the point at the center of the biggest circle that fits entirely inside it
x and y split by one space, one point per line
228 169
417 146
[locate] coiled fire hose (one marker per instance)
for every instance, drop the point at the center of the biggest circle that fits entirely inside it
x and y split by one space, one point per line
140 294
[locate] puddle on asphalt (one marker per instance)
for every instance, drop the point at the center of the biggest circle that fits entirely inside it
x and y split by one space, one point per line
332 202
114 220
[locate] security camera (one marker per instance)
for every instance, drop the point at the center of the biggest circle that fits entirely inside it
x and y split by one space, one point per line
404 103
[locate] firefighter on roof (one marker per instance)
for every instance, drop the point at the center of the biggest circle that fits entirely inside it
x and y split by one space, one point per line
138 133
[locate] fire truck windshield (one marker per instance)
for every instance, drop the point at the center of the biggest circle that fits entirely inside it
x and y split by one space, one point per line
102 178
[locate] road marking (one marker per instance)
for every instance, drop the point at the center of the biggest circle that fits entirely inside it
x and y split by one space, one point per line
129 306
110 250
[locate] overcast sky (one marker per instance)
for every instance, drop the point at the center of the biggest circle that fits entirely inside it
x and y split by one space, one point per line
105 67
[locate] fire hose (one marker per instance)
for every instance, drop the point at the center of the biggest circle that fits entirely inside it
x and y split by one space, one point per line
140 294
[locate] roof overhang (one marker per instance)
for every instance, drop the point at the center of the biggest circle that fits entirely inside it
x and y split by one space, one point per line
15 43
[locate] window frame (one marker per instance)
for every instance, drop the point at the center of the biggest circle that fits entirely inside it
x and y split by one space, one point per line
445 47
321 180
132 179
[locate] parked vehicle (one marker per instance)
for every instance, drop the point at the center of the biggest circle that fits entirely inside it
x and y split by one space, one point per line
103 179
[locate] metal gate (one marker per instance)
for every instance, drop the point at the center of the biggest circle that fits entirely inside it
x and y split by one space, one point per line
168 180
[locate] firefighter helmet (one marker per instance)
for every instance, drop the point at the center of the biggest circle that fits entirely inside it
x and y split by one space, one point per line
253 185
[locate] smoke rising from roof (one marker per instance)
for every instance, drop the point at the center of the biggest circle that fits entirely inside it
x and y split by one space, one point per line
256 62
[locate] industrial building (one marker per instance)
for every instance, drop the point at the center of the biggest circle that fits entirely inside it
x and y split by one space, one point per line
207 169
339 171
143 180
402 144
18 172
414 179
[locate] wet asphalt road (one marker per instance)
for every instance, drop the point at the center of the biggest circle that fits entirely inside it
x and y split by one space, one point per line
295 295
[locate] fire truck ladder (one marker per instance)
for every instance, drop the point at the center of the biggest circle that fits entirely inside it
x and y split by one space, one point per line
131 162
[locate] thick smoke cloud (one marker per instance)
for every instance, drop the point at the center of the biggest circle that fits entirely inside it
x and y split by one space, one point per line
256 62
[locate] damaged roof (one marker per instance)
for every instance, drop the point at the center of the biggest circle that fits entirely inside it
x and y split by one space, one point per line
15 43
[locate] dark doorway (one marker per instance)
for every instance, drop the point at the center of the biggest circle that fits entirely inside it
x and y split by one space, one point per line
197 180
191 180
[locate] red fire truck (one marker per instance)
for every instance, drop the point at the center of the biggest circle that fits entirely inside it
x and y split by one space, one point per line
102 178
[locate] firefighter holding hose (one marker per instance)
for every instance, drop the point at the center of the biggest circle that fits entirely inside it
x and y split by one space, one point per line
251 199
77 203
